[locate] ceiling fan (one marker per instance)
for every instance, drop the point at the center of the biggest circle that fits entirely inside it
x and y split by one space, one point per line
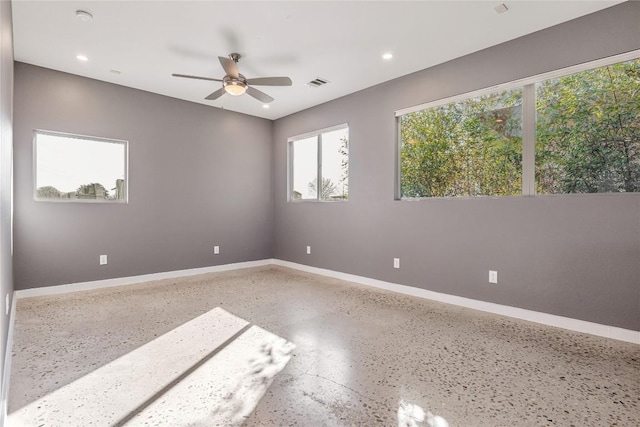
236 84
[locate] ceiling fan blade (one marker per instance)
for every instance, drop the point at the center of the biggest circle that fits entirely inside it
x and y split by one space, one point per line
215 95
229 66
270 81
186 76
259 95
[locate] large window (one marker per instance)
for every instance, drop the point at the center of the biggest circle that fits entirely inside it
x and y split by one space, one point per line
572 131
79 168
321 156
467 148
588 131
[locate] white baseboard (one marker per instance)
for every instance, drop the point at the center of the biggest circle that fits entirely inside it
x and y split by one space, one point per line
504 310
119 281
6 372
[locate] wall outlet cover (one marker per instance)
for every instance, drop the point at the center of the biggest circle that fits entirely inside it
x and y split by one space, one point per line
6 304
396 263
308 250
216 250
103 260
493 276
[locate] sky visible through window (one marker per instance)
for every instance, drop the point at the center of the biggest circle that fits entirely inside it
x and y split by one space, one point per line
66 163
305 166
305 163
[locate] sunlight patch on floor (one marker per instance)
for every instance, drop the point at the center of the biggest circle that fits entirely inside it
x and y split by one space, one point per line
226 389
412 415
212 369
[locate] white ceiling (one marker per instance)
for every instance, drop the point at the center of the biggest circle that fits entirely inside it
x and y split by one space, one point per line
338 41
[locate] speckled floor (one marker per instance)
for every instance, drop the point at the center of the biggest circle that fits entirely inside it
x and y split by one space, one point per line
209 371
361 354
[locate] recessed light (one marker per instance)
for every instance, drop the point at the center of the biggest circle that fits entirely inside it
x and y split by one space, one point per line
84 16
265 106
387 56
82 58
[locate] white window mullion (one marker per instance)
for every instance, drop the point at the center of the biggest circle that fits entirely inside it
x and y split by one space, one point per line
319 184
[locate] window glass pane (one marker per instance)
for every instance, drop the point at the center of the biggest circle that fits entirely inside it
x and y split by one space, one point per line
467 148
305 169
75 168
335 165
588 131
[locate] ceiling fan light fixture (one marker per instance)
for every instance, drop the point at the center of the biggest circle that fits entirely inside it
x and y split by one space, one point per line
235 88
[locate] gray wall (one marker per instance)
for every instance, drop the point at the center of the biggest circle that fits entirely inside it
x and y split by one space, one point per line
6 143
575 255
201 176
198 176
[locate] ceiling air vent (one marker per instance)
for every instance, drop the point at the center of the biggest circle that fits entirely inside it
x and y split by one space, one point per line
317 82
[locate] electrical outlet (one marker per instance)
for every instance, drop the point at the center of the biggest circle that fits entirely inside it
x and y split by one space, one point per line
103 260
396 263
216 250
493 276
308 250
6 304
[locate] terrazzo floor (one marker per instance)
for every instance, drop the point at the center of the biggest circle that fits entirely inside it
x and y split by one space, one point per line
363 356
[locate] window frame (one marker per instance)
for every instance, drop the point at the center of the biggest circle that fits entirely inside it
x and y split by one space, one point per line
290 156
528 85
36 132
